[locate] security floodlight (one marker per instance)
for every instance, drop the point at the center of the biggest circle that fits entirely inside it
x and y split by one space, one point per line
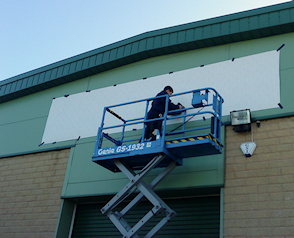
241 120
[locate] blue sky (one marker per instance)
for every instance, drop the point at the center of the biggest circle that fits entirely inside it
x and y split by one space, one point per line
35 33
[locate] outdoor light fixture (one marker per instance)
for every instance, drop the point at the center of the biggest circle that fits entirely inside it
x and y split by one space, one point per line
241 120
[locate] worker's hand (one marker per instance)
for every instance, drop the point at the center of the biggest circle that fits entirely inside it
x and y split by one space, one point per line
180 106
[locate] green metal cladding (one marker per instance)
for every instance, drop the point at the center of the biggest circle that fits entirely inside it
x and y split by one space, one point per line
253 24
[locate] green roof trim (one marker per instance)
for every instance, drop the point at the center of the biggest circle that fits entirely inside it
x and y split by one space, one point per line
253 24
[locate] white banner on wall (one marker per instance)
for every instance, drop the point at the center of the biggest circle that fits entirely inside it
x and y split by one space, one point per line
249 82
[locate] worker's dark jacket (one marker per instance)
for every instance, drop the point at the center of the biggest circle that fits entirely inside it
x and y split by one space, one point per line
158 106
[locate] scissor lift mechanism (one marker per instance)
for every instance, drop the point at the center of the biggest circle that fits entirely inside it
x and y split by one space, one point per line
136 160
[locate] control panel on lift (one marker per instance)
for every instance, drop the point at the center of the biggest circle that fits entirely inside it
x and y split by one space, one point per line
188 132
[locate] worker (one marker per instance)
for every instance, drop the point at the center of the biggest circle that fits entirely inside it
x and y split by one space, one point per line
157 110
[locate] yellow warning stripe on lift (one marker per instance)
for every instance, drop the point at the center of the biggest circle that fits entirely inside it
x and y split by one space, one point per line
193 139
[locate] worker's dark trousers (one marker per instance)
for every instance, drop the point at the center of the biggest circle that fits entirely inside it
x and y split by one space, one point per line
151 126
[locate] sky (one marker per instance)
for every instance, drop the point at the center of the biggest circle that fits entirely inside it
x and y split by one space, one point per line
35 33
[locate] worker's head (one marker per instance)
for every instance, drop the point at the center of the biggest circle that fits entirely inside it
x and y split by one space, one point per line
169 90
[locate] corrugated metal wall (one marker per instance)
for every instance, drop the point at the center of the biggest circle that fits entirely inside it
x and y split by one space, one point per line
196 217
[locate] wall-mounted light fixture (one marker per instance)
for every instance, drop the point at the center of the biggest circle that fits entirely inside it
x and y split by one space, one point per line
241 120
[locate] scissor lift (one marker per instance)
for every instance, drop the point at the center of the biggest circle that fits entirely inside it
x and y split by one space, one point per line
181 137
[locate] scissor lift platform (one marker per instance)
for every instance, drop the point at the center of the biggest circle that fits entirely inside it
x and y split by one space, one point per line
136 156
136 159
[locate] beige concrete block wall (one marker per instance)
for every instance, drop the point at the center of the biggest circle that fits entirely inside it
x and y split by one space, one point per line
30 189
259 190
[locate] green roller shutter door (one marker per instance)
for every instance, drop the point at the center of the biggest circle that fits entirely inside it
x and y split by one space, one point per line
196 217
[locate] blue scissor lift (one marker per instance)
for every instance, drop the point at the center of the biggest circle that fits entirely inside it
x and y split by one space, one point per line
125 150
